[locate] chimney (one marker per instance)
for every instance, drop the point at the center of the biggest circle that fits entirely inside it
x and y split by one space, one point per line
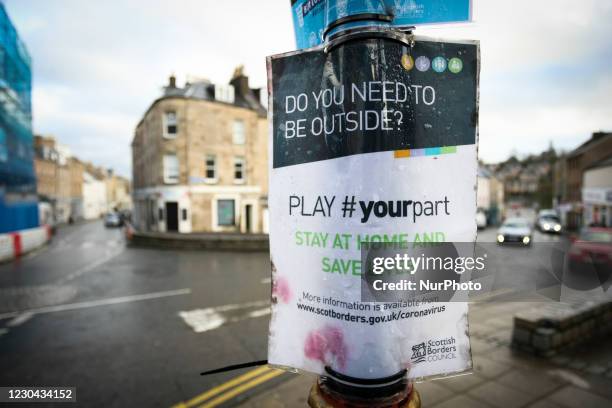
240 82
172 81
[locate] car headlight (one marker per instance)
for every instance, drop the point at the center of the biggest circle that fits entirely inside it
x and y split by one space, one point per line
526 240
557 228
500 238
546 227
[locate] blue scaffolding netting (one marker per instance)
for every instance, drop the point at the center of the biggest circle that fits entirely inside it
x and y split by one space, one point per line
18 204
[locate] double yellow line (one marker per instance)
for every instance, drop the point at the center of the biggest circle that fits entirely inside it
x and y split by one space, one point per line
236 386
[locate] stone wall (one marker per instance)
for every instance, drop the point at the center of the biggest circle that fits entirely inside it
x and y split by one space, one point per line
553 327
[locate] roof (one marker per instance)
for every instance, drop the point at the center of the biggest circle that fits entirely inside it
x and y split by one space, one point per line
205 90
484 172
607 162
597 137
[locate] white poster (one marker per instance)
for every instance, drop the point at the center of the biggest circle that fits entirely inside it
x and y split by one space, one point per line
372 142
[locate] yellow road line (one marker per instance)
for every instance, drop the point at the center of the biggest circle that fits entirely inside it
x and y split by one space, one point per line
239 390
220 388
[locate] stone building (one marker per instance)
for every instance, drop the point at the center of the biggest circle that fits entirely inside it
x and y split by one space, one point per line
46 173
199 159
118 196
76 169
59 179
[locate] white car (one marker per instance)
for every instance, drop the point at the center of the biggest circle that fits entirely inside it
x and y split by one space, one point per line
516 230
549 223
481 219
112 220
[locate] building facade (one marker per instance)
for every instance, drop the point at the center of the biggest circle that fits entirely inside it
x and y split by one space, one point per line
597 193
75 194
597 148
59 179
490 195
118 196
18 203
94 196
571 176
199 159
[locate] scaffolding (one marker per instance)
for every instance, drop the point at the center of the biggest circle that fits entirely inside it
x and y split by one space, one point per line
15 62
18 203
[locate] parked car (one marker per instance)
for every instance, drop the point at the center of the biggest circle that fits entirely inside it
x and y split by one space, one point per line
549 222
516 230
112 220
591 250
481 219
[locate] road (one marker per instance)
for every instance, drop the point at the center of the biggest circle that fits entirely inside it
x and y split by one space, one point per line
135 327
540 267
105 318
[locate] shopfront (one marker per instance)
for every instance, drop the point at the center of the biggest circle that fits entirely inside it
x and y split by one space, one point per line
597 195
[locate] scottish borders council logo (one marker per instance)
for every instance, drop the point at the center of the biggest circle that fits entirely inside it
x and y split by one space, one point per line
434 350
418 353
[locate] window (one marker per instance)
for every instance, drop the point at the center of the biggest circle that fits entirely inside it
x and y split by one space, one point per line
225 212
211 167
21 150
224 93
184 214
170 125
160 214
171 169
3 146
239 169
239 136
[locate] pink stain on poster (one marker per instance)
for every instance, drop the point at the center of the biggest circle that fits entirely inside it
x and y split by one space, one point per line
327 346
282 290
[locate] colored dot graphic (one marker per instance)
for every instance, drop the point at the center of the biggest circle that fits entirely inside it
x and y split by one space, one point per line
407 62
438 64
422 63
455 65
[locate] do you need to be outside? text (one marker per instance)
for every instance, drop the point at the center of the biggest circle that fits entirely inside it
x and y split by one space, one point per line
356 120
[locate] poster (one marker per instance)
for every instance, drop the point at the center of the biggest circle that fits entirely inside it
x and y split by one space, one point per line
371 122
309 19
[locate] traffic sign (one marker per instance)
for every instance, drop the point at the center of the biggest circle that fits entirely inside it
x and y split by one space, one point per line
310 17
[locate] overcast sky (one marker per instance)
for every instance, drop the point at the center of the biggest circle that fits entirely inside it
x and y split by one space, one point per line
546 65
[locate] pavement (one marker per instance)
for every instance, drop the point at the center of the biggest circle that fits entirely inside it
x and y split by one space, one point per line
502 377
135 327
200 241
